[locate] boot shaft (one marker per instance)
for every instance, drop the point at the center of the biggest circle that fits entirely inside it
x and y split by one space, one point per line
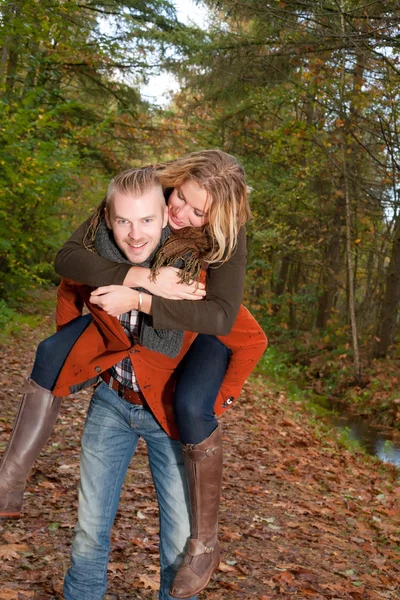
203 464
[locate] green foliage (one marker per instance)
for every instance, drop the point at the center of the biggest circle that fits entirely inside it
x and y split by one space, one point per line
279 366
70 117
12 322
35 173
285 87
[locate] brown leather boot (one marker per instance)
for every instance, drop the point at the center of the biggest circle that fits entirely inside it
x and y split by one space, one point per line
35 420
204 470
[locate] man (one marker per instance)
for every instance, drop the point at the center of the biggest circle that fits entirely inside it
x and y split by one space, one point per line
133 400
113 428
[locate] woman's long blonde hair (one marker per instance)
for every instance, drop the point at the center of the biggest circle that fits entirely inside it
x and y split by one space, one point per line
221 175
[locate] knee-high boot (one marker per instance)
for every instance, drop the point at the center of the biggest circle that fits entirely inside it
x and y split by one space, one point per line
35 420
204 470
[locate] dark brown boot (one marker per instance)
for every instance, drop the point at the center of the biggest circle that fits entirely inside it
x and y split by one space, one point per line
35 420
204 470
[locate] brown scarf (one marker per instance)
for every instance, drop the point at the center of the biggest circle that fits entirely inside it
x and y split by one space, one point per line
186 249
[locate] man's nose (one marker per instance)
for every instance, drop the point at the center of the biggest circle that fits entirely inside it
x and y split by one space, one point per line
135 232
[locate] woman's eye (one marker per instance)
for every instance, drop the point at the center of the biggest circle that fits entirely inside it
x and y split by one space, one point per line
148 220
200 215
122 222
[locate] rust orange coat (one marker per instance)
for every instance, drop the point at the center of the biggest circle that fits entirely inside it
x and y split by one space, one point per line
104 343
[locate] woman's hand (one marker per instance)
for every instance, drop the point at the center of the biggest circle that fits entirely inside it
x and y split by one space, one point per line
167 285
115 299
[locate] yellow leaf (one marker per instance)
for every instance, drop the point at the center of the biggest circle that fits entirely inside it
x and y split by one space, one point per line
357 241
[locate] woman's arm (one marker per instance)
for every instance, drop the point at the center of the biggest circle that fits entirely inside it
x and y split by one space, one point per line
75 262
215 315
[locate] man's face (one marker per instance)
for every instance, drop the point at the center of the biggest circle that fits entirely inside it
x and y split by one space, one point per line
137 222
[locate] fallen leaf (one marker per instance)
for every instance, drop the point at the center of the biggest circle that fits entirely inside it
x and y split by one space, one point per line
148 582
284 577
8 594
226 568
114 567
9 551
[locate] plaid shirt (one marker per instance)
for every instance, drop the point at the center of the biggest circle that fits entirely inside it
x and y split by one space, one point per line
123 371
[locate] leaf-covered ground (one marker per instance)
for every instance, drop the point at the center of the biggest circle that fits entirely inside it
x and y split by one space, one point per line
300 517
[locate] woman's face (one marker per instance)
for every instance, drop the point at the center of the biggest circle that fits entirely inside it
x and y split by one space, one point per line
187 206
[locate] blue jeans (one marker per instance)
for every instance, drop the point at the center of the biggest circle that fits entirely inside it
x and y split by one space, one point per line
52 352
111 433
199 378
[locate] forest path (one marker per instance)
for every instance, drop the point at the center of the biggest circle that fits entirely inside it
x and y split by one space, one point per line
300 517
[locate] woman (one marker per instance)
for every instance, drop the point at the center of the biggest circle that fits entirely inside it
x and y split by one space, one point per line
191 204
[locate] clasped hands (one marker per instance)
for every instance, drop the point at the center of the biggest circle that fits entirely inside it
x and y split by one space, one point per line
118 299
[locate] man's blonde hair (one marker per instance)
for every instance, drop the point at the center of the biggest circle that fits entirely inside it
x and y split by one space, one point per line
224 180
135 182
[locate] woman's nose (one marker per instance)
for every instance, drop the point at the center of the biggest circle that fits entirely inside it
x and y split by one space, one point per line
182 211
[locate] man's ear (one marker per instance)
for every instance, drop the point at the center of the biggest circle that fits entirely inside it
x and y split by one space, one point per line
165 217
107 218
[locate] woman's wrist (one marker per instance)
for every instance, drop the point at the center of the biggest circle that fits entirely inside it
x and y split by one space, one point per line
146 303
136 277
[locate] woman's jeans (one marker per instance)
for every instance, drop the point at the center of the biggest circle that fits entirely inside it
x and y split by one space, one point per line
199 378
112 430
52 352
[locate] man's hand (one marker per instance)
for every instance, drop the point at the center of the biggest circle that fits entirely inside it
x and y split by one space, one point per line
115 299
167 285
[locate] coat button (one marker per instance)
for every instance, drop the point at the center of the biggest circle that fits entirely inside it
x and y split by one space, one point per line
228 402
98 369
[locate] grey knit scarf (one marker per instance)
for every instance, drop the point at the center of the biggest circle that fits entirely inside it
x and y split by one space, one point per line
165 341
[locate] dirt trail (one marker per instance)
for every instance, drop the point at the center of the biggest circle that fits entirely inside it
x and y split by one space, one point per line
300 518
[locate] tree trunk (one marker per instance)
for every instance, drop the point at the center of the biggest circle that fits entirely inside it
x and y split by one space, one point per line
280 284
293 287
350 267
10 52
386 330
331 267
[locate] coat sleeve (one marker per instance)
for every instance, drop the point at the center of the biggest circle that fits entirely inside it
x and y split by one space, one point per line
215 315
69 303
78 264
247 341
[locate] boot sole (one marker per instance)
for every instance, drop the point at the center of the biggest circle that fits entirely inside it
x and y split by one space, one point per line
6 515
195 592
